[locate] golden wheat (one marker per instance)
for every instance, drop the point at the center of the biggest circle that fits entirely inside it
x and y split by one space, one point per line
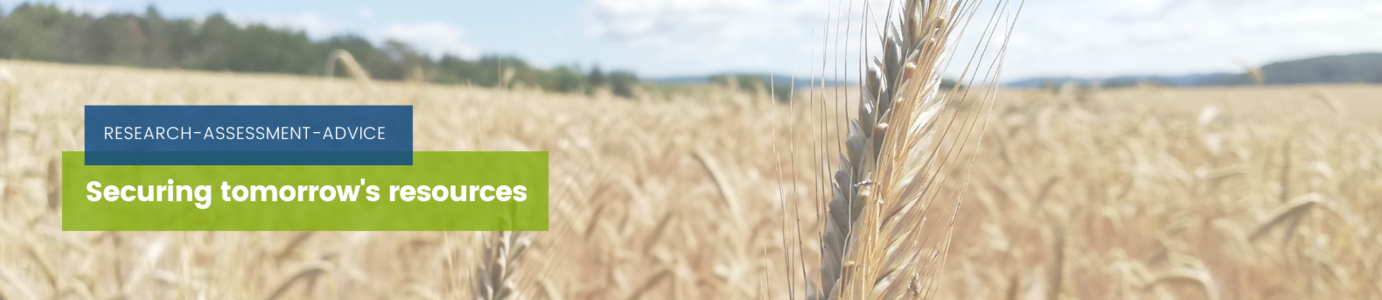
635 214
352 67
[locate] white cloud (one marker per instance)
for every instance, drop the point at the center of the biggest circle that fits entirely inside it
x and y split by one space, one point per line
699 36
720 22
1105 38
1053 37
712 35
310 22
83 7
432 38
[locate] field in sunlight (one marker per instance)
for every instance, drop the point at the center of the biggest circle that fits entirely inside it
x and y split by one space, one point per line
1214 193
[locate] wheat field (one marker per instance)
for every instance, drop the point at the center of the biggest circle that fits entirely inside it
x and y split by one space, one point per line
1139 193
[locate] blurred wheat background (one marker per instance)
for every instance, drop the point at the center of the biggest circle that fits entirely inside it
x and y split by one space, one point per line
1136 193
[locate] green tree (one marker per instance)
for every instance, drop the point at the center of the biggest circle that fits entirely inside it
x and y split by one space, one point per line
596 78
44 32
33 32
622 83
157 48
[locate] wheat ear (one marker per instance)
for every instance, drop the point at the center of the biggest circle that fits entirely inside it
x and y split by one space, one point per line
54 184
896 77
494 278
306 273
883 238
352 67
1289 212
1198 277
1253 71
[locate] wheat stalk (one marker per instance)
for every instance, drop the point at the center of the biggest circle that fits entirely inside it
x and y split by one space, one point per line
722 184
1288 212
307 272
886 82
494 278
881 238
1057 265
13 287
292 245
351 66
1253 71
54 184
1330 100
1199 277
650 283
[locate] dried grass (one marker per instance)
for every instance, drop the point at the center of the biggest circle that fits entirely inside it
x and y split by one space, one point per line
635 216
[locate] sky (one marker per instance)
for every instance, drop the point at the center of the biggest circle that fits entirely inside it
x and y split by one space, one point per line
662 38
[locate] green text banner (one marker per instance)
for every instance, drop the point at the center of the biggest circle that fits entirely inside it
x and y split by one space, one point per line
463 191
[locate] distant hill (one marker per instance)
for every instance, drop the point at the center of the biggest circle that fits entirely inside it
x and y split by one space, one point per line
1353 68
1183 80
778 79
781 80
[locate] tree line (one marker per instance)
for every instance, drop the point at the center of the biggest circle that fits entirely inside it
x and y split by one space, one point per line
45 32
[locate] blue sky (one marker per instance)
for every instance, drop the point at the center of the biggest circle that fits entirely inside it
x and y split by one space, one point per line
693 37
